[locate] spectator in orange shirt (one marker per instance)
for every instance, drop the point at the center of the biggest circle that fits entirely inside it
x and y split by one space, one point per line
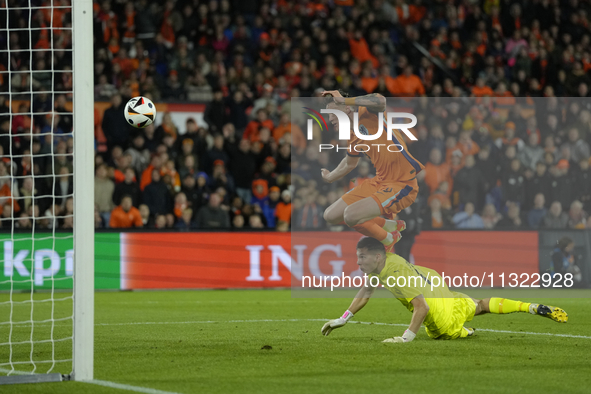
437 172
254 126
180 204
408 84
409 14
510 138
286 127
99 135
108 21
125 215
283 209
466 145
360 49
480 89
504 97
167 126
441 194
388 80
126 64
155 164
436 216
368 82
169 169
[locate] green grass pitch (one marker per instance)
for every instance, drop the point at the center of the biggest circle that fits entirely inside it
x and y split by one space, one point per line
244 342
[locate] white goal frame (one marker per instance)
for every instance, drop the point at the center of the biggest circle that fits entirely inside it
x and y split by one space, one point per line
83 67
83 232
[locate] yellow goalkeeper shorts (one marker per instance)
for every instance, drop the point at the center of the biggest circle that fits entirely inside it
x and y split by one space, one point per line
448 321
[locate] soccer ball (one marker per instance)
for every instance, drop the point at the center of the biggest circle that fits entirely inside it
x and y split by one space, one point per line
140 112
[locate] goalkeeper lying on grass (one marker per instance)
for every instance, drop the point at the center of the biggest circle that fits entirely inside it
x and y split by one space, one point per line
442 311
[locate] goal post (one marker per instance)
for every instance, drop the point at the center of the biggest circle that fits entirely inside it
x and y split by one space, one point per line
83 108
47 268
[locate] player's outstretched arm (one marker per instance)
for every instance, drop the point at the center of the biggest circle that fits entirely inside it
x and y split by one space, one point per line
374 102
360 300
345 166
421 308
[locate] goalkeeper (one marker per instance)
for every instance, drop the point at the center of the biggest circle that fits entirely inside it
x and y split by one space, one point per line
442 311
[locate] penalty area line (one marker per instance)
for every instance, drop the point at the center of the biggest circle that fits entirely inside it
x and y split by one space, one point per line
324 320
127 387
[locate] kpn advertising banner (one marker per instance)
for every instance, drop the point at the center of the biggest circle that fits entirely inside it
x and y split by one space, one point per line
45 262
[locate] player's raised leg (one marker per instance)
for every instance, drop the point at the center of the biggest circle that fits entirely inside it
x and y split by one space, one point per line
377 227
334 213
359 212
364 217
360 216
504 305
388 199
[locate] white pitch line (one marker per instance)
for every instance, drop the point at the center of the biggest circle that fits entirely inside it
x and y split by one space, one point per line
534 333
353 322
105 383
209 322
128 387
322 320
15 372
490 330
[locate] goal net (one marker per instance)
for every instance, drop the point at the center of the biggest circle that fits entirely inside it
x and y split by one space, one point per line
46 191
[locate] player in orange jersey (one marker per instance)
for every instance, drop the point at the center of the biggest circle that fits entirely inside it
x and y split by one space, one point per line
393 188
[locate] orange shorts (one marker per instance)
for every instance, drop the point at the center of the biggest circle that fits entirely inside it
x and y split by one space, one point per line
392 197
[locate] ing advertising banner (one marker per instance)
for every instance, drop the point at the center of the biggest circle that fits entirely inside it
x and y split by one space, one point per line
205 260
245 260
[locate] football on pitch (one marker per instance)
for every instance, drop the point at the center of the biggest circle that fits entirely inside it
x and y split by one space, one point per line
140 112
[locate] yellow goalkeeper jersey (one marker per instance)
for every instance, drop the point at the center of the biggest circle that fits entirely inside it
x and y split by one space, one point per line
448 310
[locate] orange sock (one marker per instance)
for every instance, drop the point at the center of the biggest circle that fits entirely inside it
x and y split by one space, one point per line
372 229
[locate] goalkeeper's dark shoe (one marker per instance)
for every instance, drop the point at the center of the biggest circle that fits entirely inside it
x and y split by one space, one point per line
551 312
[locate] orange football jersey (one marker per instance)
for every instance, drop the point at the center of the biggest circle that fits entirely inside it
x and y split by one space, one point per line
390 166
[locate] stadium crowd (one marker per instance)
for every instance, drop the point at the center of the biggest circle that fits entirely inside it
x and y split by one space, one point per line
502 146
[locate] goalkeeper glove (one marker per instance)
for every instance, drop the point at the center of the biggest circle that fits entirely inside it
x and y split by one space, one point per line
336 323
406 337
